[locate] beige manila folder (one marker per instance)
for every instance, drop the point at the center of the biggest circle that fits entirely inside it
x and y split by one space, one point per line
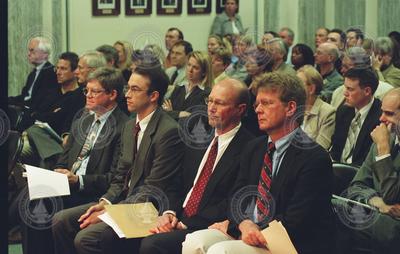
278 241
131 220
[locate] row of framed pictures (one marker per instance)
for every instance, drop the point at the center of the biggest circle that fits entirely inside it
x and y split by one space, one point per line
144 7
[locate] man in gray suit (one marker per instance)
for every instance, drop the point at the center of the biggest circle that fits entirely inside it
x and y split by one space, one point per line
151 153
379 174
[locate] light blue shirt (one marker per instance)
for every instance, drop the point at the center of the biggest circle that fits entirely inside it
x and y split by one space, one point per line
281 146
82 169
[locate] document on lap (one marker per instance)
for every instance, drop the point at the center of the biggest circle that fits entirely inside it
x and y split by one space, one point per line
131 220
44 183
278 240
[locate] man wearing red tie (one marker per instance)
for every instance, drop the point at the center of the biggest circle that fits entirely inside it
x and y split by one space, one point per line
292 176
208 173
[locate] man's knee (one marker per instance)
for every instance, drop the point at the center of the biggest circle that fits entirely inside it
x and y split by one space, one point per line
198 242
148 245
58 222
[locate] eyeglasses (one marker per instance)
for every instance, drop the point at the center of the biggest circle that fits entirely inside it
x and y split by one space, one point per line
94 93
133 89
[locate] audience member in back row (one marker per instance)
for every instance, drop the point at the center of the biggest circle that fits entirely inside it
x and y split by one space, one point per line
325 58
302 55
91 151
172 36
215 42
354 37
321 36
179 57
277 50
356 118
379 179
195 89
40 90
124 50
382 62
357 57
319 116
299 180
228 22
240 44
287 35
220 60
40 146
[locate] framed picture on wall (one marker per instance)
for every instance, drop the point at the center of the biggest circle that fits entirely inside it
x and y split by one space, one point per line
106 7
199 6
221 5
169 7
138 7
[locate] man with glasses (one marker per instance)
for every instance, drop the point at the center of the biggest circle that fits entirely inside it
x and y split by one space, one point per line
150 156
291 175
208 173
91 152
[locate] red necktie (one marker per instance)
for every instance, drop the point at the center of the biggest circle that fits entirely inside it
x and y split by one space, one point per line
198 189
264 183
128 175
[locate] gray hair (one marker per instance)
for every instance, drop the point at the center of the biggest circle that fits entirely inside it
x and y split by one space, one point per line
281 43
384 45
289 31
358 56
43 44
94 59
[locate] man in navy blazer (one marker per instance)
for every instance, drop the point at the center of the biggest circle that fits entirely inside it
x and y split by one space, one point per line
226 105
300 180
360 86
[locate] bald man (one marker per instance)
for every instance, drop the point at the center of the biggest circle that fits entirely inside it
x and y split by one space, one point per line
226 106
325 58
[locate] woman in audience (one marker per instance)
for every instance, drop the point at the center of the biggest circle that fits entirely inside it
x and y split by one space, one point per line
214 42
124 49
319 116
240 45
220 60
302 55
268 35
195 90
258 62
228 22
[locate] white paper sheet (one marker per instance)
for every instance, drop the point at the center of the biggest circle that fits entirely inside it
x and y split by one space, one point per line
106 218
43 183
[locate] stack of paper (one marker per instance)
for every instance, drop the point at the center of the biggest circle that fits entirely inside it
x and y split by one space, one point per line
278 241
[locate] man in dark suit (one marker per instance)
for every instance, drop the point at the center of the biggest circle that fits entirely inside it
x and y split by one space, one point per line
226 105
151 153
356 118
295 170
379 176
92 149
41 89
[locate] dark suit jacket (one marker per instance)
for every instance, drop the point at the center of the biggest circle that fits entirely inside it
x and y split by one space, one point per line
44 93
214 202
158 159
179 103
103 157
302 191
344 116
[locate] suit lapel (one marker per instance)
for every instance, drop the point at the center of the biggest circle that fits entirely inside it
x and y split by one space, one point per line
142 153
223 166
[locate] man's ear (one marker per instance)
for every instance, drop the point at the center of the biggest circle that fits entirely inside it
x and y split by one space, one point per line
291 108
154 96
368 90
114 95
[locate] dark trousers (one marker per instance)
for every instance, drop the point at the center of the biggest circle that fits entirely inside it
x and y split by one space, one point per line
164 243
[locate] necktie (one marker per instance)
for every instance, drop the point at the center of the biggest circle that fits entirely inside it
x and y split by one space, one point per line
199 187
87 147
351 137
173 77
128 175
264 183
34 74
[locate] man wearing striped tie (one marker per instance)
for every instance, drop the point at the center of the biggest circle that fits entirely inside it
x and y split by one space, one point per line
291 175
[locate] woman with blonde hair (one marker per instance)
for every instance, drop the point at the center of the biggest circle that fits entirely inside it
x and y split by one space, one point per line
319 116
125 50
215 42
198 84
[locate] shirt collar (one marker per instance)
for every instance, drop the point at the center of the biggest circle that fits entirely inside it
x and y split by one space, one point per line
145 121
40 66
364 110
283 143
104 116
